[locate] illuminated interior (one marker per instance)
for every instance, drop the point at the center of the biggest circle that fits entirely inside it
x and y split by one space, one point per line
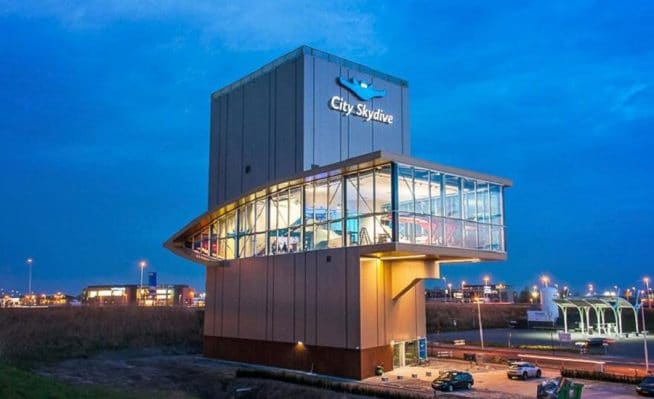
356 209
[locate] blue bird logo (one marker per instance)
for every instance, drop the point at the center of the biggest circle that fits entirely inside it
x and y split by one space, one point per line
361 89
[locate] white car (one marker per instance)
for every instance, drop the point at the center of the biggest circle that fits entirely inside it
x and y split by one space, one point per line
523 370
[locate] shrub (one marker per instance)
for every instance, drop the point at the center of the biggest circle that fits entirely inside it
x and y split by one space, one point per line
600 376
29 335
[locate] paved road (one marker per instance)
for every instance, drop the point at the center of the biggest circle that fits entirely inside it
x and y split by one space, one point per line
629 349
491 382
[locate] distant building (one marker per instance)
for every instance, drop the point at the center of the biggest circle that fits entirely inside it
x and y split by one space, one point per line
161 295
487 293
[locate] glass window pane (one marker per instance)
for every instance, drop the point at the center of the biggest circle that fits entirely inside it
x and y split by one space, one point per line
483 203
470 235
383 189
335 202
205 242
405 189
469 200
320 204
245 246
295 203
214 239
336 234
423 227
308 238
295 239
220 253
484 240
351 195
421 191
282 209
352 231
383 229
366 193
273 244
260 214
496 204
452 197
272 212
406 227
260 244
320 235
366 230
436 202
242 220
230 248
308 204
453 233
437 237
497 238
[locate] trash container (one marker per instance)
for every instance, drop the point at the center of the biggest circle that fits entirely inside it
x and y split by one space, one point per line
576 390
379 370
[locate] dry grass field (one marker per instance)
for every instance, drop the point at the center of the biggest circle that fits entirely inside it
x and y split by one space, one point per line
463 316
41 335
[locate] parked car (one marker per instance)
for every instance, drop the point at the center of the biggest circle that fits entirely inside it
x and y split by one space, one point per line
451 380
523 370
646 386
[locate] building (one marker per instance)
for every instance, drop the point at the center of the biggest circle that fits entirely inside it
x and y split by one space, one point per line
320 227
129 294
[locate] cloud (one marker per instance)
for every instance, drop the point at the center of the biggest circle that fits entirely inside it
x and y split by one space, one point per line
244 26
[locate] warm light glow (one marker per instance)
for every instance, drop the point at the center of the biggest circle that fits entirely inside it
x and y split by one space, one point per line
403 257
646 280
545 280
142 264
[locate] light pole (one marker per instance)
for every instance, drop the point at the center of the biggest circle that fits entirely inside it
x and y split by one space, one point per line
644 331
481 328
449 290
463 295
29 280
142 265
649 303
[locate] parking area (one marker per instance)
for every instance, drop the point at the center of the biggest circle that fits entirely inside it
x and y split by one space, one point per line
490 381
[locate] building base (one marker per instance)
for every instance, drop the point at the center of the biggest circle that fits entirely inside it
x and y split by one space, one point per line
349 363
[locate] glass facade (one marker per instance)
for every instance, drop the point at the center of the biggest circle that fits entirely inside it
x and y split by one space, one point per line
429 207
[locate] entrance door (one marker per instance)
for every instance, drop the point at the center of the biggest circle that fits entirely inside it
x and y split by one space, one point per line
399 359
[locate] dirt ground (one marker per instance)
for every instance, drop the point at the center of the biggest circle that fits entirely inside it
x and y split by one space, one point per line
180 376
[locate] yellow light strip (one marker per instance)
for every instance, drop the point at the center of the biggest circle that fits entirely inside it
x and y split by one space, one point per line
403 257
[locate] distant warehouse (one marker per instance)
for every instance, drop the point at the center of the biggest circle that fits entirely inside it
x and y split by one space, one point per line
129 294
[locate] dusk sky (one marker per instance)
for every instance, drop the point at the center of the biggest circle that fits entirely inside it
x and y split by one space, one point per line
104 126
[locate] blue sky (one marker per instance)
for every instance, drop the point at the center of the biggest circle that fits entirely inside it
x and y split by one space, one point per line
104 123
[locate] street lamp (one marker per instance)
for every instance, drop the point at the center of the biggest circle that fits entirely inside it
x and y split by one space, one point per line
644 331
142 265
649 303
545 280
449 288
481 328
463 295
29 281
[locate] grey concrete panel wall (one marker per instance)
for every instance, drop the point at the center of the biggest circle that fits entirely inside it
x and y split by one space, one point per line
218 300
330 137
369 303
353 305
260 125
286 146
327 123
283 296
210 303
252 308
331 293
256 146
300 282
230 299
311 320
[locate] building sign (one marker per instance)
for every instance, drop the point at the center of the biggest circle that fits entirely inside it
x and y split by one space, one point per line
365 92
422 348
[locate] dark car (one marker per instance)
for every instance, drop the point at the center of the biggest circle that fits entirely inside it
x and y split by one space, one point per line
451 380
646 386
